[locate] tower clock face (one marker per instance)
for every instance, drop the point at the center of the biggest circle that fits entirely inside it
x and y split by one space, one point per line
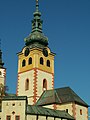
27 51
45 52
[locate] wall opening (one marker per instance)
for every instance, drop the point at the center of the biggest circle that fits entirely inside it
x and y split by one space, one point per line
27 84
23 63
17 117
30 61
44 84
48 63
80 111
41 61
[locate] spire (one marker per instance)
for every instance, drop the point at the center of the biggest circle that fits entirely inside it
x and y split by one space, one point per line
37 22
37 5
36 38
1 62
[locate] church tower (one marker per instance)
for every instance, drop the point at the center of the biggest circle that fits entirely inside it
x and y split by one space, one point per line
2 75
35 63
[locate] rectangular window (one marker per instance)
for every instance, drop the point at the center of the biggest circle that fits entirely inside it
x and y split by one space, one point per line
8 117
37 117
17 117
46 117
67 110
80 111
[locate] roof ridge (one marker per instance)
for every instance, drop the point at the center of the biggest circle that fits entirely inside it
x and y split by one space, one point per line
57 97
34 109
74 95
62 88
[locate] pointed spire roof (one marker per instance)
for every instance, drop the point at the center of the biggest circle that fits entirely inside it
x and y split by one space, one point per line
37 22
36 38
1 62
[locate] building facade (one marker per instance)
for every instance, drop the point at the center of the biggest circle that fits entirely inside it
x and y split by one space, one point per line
65 99
36 98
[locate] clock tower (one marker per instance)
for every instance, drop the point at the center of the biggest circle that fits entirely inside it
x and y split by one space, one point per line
35 63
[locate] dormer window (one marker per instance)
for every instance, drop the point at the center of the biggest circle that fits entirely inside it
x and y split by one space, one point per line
33 25
39 25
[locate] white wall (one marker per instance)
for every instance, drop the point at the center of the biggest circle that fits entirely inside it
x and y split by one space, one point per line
84 115
8 109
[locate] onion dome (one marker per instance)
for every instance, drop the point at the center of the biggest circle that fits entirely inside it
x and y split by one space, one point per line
36 38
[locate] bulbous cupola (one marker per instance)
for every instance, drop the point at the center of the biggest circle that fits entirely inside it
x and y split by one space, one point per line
36 38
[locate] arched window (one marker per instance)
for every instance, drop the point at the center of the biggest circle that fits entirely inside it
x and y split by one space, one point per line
48 63
41 61
39 25
30 61
44 84
23 63
27 84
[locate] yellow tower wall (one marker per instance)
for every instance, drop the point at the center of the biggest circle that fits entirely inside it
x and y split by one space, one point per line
35 73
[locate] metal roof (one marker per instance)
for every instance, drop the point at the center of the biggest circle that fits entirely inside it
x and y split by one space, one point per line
38 110
60 96
14 98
